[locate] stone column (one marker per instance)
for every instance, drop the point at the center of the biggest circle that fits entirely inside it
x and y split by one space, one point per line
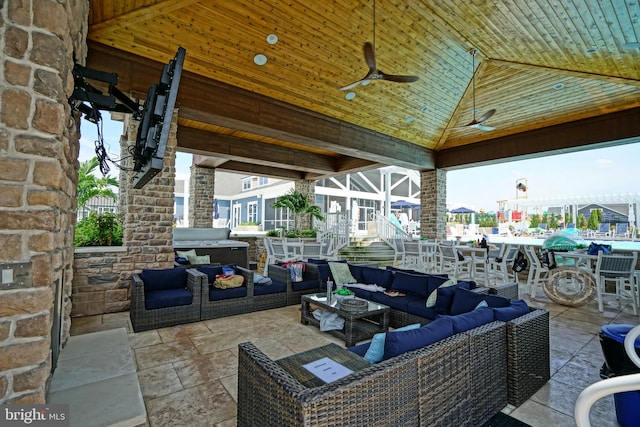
201 191
148 211
307 187
39 144
433 204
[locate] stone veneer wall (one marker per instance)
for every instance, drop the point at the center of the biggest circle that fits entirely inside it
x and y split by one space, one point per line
201 188
433 204
39 144
100 281
308 187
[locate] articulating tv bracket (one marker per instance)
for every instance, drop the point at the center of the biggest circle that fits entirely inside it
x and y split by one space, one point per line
85 92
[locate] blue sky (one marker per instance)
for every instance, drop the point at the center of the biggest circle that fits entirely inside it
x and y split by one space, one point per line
601 171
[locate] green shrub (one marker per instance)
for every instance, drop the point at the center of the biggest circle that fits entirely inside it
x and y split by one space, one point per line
103 229
273 233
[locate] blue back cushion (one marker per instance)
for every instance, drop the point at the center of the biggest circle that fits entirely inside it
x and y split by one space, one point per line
472 319
517 308
377 276
401 342
414 284
356 272
376 349
167 298
171 278
465 301
433 281
211 272
445 298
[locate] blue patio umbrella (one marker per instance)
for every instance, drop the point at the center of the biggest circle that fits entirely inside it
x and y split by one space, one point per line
462 210
402 204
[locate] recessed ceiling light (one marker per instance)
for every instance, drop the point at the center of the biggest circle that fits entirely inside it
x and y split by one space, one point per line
350 95
260 59
272 39
592 50
558 86
409 119
631 45
423 109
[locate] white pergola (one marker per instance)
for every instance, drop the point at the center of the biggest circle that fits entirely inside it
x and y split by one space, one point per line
574 203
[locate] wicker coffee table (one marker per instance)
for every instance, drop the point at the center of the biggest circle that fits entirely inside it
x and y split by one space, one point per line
357 326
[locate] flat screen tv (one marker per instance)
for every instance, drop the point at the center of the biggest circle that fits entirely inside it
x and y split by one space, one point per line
155 122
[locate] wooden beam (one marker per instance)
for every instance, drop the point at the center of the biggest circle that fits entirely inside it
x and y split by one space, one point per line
209 101
245 150
262 170
617 128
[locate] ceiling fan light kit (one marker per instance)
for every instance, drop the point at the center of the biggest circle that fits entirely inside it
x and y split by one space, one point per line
370 59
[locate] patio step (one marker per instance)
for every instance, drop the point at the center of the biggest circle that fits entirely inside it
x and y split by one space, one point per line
96 376
373 251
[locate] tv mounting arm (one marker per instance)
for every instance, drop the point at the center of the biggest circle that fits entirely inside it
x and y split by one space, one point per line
85 92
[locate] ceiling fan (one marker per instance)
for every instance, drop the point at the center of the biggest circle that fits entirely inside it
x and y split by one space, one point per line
477 123
370 58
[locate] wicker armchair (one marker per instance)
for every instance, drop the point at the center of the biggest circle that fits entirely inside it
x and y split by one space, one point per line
154 294
310 281
227 302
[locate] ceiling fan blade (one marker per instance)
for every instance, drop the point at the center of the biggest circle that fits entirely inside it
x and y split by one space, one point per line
486 115
370 56
398 79
483 127
352 85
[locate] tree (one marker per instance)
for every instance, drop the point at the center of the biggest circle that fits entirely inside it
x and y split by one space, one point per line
298 203
89 185
594 219
535 221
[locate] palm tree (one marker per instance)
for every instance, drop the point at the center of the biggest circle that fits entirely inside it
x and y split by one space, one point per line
89 185
298 203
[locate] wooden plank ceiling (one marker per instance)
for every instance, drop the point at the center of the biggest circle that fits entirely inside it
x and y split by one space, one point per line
549 68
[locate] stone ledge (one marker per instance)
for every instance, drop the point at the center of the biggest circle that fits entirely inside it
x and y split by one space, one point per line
96 376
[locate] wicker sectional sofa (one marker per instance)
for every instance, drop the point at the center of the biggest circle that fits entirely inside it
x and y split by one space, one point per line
461 380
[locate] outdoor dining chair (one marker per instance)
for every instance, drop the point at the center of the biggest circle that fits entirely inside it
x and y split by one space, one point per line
619 269
501 268
458 267
538 274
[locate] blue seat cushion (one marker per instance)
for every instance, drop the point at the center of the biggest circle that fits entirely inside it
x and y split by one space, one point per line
167 298
216 294
360 293
408 283
445 298
304 285
211 272
157 280
404 270
517 308
472 319
377 276
397 303
397 343
276 287
419 308
465 300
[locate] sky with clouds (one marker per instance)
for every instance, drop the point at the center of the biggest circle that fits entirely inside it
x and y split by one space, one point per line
590 172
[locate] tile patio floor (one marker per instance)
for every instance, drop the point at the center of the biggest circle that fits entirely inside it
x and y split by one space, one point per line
188 373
